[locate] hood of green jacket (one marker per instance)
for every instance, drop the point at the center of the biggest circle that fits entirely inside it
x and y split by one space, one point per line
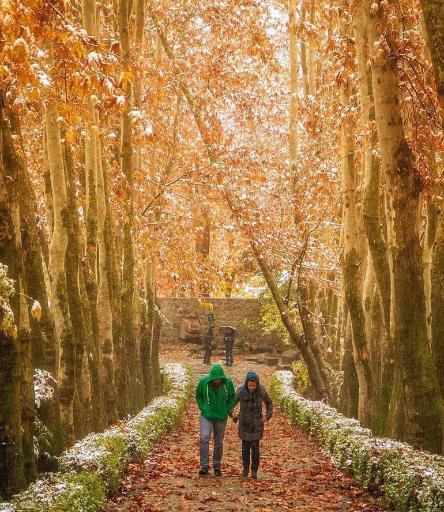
215 403
216 372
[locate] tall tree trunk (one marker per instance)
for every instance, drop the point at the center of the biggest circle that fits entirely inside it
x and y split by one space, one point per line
412 352
13 165
352 261
349 394
433 19
373 223
433 218
97 402
48 203
293 121
146 335
57 255
156 381
12 472
82 403
306 308
434 244
99 378
372 200
128 299
121 371
43 340
437 301
105 324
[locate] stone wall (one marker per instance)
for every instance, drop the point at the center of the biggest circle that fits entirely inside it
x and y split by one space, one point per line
242 314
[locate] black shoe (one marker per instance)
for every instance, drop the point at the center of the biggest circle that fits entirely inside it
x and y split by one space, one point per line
254 475
245 472
203 472
217 472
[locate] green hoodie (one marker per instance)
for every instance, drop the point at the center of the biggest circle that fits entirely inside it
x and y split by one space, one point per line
215 404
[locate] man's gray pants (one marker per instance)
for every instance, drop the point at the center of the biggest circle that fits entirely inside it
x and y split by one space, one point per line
218 429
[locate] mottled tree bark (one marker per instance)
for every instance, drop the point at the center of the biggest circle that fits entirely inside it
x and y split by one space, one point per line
352 260
293 120
412 353
373 219
437 301
57 254
156 381
128 295
349 395
12 165
12 474
43 340
146 334
82 399
91 273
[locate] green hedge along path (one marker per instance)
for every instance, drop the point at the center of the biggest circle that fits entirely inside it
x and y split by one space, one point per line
294 474
408 479
95 466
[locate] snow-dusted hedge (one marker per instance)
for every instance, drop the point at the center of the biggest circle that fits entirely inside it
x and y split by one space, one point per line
71 492
410 480
94 467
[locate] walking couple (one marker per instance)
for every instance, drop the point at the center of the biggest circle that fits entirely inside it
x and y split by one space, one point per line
217 399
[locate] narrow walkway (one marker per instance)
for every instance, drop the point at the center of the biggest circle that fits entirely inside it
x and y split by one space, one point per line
294 474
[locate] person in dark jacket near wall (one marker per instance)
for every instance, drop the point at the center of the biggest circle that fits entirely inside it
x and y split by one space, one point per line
229 344
215 397
251 396
208 345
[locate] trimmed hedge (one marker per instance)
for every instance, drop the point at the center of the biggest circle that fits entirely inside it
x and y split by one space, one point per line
94 467
409 480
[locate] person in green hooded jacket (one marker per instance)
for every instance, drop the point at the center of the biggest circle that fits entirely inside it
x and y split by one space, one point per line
215 397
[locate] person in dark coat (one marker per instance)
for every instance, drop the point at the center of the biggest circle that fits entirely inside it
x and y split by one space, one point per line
229 344
251 420
208 345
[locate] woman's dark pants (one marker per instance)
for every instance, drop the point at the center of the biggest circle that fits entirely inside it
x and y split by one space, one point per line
253 448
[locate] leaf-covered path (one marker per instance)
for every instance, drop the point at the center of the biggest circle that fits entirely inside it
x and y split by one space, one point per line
294 473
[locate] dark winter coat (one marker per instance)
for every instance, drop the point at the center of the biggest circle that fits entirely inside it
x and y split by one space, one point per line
251 427
208 338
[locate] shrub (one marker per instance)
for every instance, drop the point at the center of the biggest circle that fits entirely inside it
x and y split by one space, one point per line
6 507
93 468
106 454
409 480
70 492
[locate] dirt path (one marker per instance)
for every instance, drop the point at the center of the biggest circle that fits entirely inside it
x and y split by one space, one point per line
294 474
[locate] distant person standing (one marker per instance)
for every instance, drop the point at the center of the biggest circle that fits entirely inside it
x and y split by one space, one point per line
208 339
229 334
229 345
